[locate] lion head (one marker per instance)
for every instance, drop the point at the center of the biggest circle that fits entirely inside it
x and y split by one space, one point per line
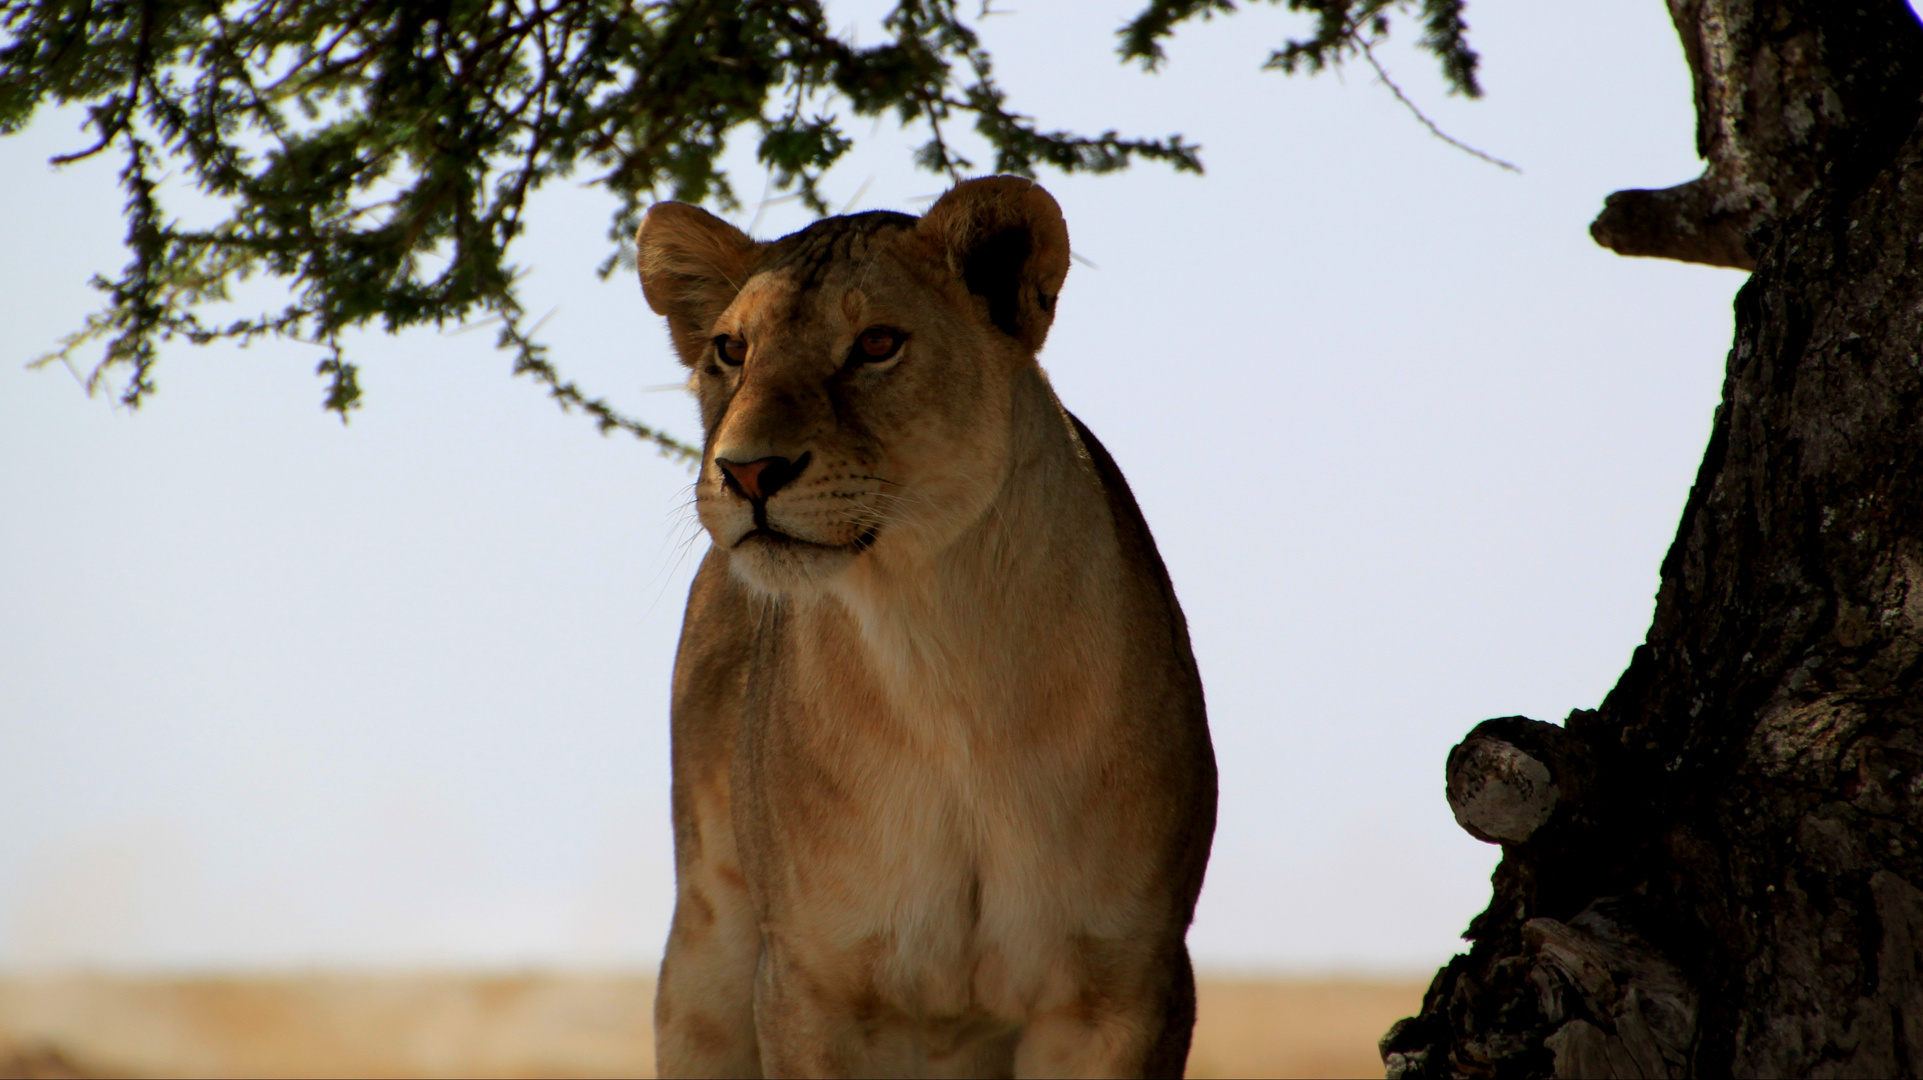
855 378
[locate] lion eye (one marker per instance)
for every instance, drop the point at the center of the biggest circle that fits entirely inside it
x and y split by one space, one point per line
730 350
877 343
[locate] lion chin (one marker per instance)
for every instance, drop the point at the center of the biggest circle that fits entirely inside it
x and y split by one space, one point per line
781 564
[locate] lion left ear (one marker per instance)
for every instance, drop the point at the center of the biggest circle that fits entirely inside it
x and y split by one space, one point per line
1004 237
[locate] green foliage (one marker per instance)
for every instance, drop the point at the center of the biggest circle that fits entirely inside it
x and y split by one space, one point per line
377 155
1343 28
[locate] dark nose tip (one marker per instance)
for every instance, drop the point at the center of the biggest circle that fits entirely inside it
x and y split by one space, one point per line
761 478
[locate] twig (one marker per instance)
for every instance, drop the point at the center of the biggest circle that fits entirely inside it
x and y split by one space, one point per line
1369 55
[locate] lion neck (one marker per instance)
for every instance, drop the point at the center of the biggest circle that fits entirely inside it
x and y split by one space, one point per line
1020 612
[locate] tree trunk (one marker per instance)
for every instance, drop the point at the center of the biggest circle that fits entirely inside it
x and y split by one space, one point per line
1720 870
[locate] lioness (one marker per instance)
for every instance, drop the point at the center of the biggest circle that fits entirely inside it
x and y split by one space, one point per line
943 789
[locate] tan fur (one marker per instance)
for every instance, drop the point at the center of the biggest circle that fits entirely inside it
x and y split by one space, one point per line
943 790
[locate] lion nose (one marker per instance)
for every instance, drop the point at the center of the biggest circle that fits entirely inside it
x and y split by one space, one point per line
761 478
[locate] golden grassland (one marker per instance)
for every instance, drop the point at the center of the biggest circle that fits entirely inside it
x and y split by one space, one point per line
549 1025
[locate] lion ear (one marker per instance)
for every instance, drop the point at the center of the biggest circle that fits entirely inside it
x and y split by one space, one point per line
692 265
1004 237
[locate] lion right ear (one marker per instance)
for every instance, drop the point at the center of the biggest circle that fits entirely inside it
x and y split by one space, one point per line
692 265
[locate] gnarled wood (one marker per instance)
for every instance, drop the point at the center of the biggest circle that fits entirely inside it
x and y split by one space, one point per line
1741 892
1785 89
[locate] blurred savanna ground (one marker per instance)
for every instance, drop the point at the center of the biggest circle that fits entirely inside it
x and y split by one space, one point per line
550 1025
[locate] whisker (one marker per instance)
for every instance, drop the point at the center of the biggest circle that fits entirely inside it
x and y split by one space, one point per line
683 532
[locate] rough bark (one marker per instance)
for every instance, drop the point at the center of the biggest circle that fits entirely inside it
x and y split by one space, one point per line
1727 877
1784 89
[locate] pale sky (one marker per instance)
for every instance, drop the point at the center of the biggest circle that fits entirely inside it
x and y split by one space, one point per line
278 692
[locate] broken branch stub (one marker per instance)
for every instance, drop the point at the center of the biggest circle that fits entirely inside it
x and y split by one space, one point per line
1784 88
1510 776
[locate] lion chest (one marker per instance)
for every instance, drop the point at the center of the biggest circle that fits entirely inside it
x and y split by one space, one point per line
946 853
